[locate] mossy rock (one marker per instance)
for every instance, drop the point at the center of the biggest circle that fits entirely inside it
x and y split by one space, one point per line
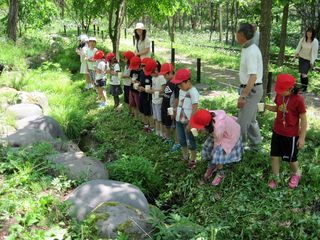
110 218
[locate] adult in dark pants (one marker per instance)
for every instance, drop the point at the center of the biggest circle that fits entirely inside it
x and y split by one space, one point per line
307 51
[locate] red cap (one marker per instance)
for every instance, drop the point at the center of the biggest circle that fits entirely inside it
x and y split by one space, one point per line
110 56
128 55
284 82
181 75
200 119
165 68
134 63
145 60
150 66
98 55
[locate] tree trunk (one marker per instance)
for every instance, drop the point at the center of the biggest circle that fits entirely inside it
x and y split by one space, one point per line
265 30
283 36
211 19
232 24
115 22
220 23
170 21
227 21
13 19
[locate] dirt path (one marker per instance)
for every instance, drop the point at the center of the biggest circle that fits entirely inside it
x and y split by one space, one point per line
227 78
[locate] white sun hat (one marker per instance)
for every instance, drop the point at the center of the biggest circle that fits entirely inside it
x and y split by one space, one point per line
140 26
93 39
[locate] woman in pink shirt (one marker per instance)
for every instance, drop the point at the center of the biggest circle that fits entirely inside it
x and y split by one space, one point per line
224 144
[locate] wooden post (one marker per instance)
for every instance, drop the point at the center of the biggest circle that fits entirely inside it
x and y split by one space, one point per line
102 35
94 29
152 46
98 30
198 70
125 33
134 40
78 29
65 30
172 56
269 84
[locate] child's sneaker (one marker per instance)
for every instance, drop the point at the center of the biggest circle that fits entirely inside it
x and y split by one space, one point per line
102 105
294 181
272 184
175 147
217 180
209 172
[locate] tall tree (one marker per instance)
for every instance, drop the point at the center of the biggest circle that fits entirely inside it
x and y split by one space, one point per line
116 17
265 30
283 36
13 19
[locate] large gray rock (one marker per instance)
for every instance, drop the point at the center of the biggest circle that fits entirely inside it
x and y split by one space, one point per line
37 98
24 110
25 137
89 195
111 217
45 123
77 166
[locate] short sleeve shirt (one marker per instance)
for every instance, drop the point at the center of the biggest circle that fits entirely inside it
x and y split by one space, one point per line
101 66
114 80
171 92
186 100
157 83
143 45
126 72
250 63
289 110
90 54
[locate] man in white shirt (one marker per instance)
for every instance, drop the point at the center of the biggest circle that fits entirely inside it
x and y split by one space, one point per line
251 87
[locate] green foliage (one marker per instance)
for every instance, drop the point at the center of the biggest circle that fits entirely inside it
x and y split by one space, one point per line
138 171
36 13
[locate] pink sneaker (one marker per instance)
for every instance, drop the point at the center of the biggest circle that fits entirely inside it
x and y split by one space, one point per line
209 172
294 181
217 180
272 184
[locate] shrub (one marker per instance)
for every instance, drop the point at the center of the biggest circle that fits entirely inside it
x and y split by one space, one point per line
137 171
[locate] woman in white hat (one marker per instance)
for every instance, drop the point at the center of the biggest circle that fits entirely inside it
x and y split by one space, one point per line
143 42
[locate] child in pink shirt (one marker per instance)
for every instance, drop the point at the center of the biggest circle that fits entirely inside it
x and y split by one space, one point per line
224 144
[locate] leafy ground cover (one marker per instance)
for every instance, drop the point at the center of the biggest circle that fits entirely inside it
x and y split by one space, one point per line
242 207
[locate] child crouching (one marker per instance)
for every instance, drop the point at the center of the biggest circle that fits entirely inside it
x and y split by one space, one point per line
224 144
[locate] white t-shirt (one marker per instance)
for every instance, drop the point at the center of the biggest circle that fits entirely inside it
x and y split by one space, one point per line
143 45
186 100
101 66
157 83
126 73
250 63
90 54
114 80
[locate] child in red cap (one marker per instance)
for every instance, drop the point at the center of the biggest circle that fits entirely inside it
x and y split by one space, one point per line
135 70
115 87
157 90
170 100
145 98
187 106
224 144
290 128
128 55
100 77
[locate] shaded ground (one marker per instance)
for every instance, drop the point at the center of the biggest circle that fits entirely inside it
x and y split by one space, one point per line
226 78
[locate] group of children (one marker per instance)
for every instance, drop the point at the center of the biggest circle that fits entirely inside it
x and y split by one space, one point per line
167 103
